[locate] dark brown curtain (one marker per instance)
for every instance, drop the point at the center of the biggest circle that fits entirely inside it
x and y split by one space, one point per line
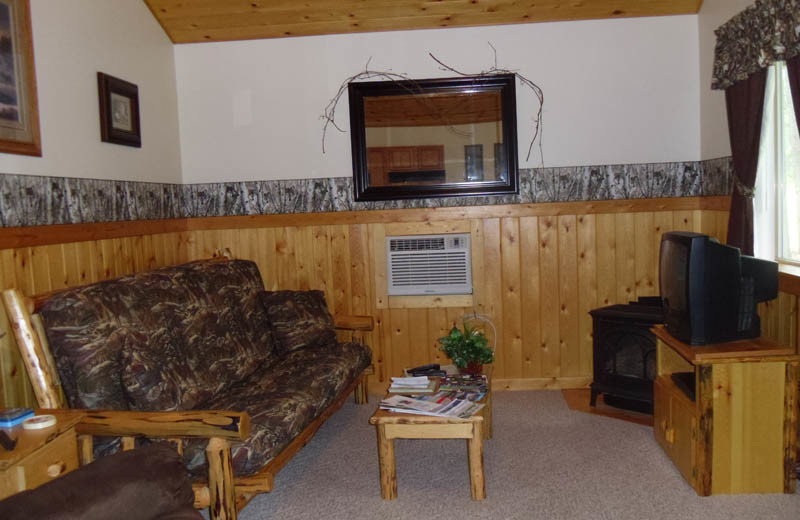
745 104
793 67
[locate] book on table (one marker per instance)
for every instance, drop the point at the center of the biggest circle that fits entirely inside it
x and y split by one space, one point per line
414 385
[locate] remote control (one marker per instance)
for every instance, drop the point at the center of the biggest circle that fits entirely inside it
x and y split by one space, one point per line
424 368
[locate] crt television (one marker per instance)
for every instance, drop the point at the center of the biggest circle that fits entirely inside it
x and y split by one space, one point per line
710 291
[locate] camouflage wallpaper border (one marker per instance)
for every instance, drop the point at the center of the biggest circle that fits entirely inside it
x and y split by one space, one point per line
35 201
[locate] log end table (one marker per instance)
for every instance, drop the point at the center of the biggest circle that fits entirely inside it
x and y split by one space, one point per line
392 425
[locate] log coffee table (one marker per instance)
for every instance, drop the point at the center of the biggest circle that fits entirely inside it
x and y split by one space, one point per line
391 426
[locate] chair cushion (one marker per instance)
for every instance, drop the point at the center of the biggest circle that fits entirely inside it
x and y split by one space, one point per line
190 330
283 400
159 380
142 484
299 319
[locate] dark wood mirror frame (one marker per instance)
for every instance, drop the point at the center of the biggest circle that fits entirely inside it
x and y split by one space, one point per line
504 84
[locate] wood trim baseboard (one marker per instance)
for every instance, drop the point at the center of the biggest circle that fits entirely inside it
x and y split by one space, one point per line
14 237
542 383
500 385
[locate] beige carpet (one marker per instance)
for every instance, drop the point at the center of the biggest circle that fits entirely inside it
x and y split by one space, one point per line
577 399
545 462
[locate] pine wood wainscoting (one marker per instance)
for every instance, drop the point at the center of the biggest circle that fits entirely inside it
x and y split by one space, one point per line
537 271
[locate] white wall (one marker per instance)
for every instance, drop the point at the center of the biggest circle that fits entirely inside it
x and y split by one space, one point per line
616 91
713 117
72 41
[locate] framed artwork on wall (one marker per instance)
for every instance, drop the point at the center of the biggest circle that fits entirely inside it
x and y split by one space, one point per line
19 107
119 111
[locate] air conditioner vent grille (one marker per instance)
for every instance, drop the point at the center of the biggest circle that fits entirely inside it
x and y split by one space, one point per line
429 264
417 244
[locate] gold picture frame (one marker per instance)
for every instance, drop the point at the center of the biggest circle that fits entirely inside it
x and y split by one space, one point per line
19 106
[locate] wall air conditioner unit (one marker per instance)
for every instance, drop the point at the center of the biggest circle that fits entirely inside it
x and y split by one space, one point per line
429 264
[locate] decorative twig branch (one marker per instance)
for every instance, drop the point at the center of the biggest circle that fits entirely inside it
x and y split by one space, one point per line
537 121
330 110
329 115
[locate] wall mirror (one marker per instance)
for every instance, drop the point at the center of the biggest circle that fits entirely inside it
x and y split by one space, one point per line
434 138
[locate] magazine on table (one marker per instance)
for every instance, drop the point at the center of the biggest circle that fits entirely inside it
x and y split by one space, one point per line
447 407
464 383
453 394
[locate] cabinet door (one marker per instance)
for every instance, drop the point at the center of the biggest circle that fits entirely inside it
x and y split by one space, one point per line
661 414
431 157
683 435
403 158
376 162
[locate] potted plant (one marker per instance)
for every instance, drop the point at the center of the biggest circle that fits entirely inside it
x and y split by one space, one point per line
468 349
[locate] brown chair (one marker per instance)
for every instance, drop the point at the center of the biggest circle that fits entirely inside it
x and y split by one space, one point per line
144 484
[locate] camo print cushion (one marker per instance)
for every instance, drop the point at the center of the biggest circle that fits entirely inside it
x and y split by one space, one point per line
177 334
299 319
156 381
282 401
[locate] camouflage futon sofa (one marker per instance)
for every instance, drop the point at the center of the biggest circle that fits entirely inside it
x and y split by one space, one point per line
204 336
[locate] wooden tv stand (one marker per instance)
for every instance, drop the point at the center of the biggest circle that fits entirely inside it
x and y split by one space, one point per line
739 433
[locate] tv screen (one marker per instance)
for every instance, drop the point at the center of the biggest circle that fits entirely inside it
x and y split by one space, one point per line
675 261
710 291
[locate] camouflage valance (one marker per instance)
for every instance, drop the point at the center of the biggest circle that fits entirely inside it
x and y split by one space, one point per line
766 32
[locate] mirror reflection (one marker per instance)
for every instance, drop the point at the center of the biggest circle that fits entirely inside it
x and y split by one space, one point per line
433 137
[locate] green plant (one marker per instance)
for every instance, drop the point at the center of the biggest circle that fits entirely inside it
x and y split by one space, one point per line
467 347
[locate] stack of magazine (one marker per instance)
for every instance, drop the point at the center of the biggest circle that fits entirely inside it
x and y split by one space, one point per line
468 382
440 404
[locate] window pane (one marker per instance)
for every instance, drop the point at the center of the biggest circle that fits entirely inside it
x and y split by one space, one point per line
788 185
765 211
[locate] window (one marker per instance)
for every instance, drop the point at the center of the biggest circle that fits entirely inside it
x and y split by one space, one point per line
777 193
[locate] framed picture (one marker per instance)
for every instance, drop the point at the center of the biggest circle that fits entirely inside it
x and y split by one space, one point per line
119 111
473 162
19 107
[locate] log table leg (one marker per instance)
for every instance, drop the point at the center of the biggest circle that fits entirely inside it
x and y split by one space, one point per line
86 449
220 480
360 393
475 451
386 462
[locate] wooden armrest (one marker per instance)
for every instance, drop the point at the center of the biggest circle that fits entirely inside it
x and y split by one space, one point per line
353 322
224 424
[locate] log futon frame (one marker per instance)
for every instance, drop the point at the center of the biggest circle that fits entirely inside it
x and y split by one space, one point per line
223 493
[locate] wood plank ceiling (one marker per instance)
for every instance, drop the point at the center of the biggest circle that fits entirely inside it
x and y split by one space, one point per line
192 21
